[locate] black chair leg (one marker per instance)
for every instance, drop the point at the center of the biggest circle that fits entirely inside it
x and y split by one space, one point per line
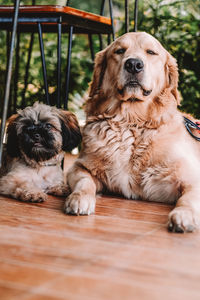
108 39
100 42
59 64
7 50
101 13
126 16
16 77
91 46
8 79
112 20
68 66
43 63
27 69
135 16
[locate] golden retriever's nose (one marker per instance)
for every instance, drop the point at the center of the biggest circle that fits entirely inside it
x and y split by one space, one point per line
134 65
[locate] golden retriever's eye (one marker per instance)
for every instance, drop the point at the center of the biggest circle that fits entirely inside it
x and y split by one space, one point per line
120 51
151 52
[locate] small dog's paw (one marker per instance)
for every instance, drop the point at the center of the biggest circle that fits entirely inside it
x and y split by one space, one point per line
80 204
30 196
182 219
59 190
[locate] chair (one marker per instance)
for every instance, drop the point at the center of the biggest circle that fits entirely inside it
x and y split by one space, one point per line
54 18
49 18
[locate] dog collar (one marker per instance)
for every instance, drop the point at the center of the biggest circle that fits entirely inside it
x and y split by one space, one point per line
189 124
54 161
46 164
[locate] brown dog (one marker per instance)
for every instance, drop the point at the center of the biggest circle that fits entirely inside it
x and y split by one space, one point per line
135 142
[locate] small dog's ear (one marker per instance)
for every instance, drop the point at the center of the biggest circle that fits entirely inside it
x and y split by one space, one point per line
12 139
71 134
172 76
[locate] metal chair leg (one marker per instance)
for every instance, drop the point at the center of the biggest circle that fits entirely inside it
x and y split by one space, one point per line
135 16
16 73
7 51
8 36
68 66
126 16
100 36
108 39
112 21
91 46
102 7
43 63
101 13
8 79
59 64
27 69
100 42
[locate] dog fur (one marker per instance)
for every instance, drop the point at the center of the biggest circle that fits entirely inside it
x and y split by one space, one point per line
36 140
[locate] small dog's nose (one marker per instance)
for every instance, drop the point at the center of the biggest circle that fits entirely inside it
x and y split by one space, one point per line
134 65
36 136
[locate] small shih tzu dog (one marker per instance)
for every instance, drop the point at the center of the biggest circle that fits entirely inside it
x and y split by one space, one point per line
36 140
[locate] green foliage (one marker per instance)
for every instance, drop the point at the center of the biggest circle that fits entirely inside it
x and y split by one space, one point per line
176 24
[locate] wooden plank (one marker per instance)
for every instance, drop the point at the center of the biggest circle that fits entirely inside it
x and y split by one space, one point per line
107 285
122 252
115 209
8 291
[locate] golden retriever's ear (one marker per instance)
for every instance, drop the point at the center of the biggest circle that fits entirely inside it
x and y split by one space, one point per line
172 76
99 70
71 134
12 139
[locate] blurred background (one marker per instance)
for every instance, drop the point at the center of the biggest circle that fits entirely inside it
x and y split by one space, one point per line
176 24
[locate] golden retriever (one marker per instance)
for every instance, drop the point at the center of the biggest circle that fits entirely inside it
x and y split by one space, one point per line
134 141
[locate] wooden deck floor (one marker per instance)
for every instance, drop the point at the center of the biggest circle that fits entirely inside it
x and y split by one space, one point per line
122 252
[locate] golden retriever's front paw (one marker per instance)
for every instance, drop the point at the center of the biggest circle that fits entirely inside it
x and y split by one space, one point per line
80 204
30 196
182 219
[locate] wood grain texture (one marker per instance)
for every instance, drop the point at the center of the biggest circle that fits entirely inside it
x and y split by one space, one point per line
122 252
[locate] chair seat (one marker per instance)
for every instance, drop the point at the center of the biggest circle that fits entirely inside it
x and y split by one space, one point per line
83 22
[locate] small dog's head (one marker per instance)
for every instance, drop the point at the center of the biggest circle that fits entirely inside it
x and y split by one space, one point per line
41 132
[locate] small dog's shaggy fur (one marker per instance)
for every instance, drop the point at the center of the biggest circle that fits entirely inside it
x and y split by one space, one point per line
36 140
134 141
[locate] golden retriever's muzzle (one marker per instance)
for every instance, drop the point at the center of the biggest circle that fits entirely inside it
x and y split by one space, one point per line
134 71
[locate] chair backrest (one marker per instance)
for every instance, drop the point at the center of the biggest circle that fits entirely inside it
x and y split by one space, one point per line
96 7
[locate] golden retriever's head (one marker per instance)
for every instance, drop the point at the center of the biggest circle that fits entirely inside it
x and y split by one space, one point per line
133 68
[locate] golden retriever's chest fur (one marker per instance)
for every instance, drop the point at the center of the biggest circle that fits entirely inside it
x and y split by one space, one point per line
116 154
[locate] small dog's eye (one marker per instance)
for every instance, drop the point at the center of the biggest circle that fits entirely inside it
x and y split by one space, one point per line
151 52
48 126
120 51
